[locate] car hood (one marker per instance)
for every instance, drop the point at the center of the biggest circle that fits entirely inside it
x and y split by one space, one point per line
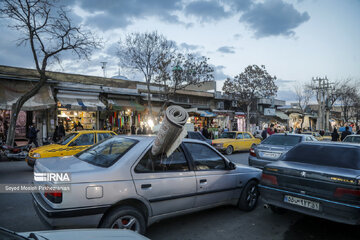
87 234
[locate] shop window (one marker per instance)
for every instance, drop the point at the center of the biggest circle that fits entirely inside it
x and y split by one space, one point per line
205 158
84 139
174 163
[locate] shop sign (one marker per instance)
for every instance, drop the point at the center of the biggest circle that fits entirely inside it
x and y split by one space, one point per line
269 111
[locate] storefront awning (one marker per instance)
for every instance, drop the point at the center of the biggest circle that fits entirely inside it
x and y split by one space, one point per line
11 91
118 104
281 115
79 101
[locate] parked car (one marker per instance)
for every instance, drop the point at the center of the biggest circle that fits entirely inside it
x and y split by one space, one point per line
118 183
73 143
352 139
274 146
198 136
79 234
315 135
320 179
229 142
327 136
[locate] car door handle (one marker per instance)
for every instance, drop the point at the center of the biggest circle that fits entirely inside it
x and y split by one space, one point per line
203 180
145 186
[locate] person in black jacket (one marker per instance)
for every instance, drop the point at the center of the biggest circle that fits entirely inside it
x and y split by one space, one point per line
33 135
345 133
335 135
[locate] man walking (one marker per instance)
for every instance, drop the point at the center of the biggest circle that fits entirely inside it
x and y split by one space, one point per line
345 133
33 135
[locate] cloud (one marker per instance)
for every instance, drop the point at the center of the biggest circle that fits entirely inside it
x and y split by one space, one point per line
239 5
119 14
273 18
237 36
219 74
286 95
206 10
190 47
226 49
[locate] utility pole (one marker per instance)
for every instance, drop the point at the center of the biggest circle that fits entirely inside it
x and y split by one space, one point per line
323 89
103 66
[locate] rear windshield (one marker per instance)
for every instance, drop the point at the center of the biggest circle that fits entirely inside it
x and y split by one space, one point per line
107 152
352 139
195 135
283 140
335 156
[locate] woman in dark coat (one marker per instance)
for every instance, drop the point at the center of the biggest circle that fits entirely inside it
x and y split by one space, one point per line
335 135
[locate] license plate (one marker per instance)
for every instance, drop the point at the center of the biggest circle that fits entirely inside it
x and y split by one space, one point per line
271 155
302 202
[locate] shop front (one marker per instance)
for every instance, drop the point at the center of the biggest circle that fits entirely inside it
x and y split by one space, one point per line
201 118
78 111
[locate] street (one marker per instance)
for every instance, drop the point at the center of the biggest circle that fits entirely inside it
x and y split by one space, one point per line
227 222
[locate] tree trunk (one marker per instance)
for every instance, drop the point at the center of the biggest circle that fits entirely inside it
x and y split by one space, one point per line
248 118
16 107
149 99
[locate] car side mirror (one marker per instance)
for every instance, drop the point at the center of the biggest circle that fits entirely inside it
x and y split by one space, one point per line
231 166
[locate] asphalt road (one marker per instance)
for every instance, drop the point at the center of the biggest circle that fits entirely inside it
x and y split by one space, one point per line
17 213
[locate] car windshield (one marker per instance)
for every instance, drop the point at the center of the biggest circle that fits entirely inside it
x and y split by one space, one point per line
228 135
196 135
67 138
283 140
352 139
106 153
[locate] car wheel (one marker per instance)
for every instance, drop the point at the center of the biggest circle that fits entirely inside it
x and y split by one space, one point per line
277 210
249 196
229 150
125 217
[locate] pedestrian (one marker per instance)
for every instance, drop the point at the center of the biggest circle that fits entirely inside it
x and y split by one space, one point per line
6 128
335 135
345 133
33 135
270 131
133 129
264 133
61 131
79 126
205 132
358 131
55 137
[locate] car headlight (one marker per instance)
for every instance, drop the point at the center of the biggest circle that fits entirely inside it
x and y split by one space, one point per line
36 155
220 145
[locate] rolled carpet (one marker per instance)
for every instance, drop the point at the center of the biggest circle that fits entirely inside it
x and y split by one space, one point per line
171 132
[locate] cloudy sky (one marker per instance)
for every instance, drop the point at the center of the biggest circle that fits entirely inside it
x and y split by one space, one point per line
295 40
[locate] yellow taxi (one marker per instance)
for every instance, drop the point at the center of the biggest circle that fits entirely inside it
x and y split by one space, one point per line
315 135
72 143
235 141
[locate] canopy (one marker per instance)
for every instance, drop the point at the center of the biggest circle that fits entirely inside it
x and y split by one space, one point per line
12 90
281 115
119 104
80 101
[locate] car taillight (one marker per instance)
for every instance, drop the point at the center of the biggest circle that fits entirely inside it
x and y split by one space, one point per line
55 197
340 192
252 152
269 179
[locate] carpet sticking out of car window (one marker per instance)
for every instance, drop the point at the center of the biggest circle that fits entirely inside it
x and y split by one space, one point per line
106 153
284 140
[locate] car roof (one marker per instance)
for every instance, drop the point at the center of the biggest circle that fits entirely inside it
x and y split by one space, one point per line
152 137
91 131
291 134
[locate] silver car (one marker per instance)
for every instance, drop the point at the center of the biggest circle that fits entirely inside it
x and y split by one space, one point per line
119 184
274 146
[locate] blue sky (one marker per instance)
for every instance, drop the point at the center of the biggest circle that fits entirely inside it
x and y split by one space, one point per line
295 40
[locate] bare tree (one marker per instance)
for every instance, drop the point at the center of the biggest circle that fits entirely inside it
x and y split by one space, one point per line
255 82
347 98
178 71
303 95
144 52
46 27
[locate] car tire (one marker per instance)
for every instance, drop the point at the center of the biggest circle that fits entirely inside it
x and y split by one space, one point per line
277 210
229 150
125 217
249 196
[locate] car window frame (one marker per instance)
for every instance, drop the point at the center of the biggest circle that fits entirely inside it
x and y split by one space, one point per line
227 162
247 134
80 134
240 134
148 148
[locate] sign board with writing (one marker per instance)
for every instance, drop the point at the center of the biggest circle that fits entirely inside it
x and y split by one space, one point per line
269 111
